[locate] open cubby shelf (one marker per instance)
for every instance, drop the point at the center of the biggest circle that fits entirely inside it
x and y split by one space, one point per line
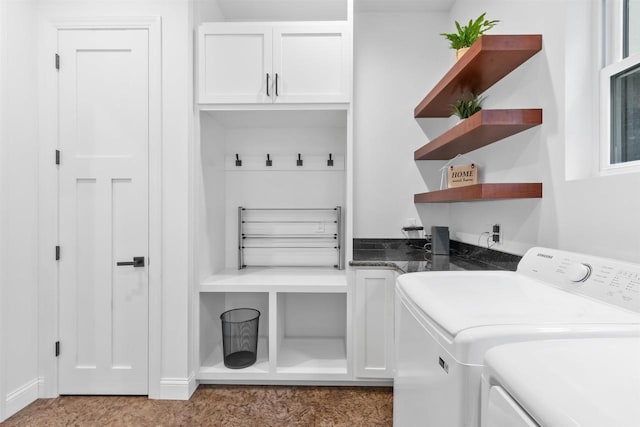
488 60
303 324
482 192
483 128
213 365
316 355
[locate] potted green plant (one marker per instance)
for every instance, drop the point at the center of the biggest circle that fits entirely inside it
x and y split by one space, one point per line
468 34
467 106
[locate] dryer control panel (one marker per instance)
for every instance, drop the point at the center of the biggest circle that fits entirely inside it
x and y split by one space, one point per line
611 281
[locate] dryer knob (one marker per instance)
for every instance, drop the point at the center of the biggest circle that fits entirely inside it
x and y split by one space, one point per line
579 272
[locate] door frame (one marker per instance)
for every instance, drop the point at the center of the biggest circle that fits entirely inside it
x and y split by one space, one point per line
48 283
3 246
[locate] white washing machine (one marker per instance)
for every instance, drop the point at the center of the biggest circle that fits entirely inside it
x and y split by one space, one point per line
446 321
558 383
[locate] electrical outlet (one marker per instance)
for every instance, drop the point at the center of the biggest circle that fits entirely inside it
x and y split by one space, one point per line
496 234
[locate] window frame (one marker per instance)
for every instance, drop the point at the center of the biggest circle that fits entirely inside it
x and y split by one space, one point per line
616 47
606 76
625 28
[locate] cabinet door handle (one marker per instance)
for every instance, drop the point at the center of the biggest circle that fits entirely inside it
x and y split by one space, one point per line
277 84
268 85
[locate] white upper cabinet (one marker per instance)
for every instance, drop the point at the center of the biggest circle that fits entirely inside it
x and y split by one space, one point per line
234 63
310 63
249 63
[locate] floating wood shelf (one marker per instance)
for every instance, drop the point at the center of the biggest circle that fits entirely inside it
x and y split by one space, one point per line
488 60
483 128
482 192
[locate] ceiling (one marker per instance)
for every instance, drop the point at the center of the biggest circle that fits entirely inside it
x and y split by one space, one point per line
248 10
259 10
402 5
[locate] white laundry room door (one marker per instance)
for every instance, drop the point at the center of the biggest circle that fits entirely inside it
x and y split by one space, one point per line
103 86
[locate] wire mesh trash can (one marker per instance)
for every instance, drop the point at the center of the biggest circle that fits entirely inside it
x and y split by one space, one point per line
240 337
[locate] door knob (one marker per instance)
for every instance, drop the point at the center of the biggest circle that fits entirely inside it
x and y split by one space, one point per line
138 261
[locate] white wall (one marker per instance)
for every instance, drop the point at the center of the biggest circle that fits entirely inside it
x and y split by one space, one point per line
588 214
210 188
171 370
206 11
19 205
3 204
578 211
536 155
296 189
398 57
282 134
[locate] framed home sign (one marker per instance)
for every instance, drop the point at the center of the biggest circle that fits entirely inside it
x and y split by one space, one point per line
460 176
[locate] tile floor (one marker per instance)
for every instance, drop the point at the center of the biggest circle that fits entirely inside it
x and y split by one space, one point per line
213 405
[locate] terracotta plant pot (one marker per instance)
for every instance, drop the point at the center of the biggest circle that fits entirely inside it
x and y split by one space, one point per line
461 52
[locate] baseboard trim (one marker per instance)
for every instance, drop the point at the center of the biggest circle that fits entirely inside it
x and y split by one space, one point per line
177 388
22 397
193 384
46 390
297 383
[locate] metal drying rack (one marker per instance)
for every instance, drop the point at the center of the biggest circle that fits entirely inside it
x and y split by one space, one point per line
277 236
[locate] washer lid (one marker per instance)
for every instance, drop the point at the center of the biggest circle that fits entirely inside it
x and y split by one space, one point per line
579 382
460 300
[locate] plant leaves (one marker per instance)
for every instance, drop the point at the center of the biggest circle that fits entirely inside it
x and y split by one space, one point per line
465 108
468 34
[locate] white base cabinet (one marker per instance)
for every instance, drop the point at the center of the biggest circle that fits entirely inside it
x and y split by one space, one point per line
373 323
265 63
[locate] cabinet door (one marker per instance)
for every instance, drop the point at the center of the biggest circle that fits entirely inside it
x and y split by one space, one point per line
373 333
311 62
234 63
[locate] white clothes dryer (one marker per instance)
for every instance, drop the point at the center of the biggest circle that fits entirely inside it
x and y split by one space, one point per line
446 321
559 383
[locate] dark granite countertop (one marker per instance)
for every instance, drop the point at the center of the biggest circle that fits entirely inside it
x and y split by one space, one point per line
408 255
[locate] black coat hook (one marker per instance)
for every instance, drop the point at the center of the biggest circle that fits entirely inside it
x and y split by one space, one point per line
330 161
299 162
238 161
269 161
